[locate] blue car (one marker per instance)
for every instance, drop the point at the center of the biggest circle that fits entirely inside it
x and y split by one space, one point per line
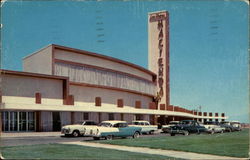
111 129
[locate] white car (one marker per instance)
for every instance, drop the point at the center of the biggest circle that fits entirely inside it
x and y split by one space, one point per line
77 130
213 127
145 126
111 129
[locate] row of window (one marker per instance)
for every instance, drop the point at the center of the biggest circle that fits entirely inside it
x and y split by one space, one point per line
18 121
104 78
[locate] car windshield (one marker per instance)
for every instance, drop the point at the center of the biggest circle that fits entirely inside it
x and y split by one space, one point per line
105 124
226 123
136 123
186 122
88 123
173 122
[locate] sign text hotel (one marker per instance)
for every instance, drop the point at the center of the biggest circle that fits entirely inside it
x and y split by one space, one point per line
159 18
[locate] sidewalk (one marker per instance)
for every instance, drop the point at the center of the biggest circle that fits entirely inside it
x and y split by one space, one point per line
169 153
30 134
37 134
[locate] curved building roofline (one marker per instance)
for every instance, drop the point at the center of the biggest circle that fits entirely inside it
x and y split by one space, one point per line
103 57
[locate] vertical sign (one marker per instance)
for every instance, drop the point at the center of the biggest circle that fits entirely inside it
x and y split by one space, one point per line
158 53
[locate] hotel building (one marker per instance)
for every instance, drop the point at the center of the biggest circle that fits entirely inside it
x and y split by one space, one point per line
61 85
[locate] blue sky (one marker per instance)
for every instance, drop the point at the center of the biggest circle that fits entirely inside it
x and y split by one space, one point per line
208 43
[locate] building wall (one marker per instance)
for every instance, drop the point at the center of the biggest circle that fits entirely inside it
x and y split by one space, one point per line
85 59
87 94
94 117
129 117
22 89
39 62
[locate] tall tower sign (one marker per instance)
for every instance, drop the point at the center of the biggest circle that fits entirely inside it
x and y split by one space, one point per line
158 53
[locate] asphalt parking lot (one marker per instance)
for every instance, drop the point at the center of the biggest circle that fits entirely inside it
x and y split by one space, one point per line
30 139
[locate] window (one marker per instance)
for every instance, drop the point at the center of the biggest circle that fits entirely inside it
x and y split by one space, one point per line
13 121
105 124
135 123
111 116
124 125
98 101
18 121
139 117
31 121
120 103
85 116
5 125
90 123
120 125
22 121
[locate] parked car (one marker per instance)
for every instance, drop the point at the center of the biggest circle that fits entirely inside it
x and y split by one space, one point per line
231 126
186 127
146 127
227 126
77 130
111 129
213 127
236 125
167 128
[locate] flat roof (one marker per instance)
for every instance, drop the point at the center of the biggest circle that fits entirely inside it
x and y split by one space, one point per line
30 74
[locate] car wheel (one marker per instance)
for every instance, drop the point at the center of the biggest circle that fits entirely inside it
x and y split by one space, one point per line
222 131
96 138
172 134
84 131
136 135
76 133
109 137
151 132
186 133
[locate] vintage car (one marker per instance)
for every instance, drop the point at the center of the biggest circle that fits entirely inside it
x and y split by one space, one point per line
166 128
145 126
111 129
227 126
77 130
213 127
236 125
186 127
231 126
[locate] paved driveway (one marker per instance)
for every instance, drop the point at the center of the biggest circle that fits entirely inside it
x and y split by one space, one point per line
31 138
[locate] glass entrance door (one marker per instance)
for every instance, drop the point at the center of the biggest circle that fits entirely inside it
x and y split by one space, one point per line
18 121
31 121
22 121
56 121
13 121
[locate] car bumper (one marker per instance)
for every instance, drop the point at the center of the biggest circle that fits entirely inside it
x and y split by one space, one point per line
65 131
176 131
